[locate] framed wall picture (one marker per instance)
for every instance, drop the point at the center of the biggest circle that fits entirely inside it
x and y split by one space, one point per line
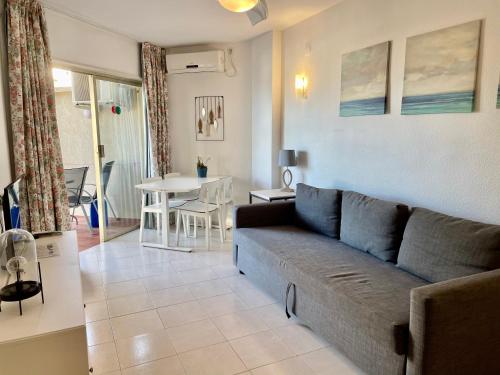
209 118
365 75
441 70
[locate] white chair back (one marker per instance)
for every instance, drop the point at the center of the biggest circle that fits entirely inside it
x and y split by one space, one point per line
156 195
228 189
211 193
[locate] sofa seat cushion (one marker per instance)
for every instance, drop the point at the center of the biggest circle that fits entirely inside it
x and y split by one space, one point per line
438 247
358 288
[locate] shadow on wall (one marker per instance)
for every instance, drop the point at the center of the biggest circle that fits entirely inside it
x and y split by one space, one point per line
302 165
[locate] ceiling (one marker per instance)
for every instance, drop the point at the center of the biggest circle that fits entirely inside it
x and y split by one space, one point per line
185 22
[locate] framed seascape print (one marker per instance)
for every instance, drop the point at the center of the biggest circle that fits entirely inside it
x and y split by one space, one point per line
441 69
209 118
364 88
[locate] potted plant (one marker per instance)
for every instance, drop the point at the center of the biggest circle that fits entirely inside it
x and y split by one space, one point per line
201 166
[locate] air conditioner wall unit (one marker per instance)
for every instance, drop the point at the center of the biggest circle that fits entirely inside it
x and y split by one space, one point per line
198 62
80 91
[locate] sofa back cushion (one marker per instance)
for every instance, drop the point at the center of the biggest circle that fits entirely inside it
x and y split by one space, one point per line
372 225
438 247
318 209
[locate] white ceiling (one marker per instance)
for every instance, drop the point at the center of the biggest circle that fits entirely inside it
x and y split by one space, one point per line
185 22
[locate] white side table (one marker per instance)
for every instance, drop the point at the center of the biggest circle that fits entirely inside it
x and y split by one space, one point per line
271 195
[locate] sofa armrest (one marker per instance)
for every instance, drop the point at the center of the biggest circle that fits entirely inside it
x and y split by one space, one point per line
455 326
264 214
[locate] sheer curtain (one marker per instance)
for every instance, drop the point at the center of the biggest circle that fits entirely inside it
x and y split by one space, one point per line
123 136
37 152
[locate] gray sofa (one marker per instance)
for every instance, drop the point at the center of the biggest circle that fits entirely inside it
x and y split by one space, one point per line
397 291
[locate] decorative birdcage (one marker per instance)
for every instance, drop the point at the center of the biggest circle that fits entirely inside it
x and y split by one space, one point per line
20 274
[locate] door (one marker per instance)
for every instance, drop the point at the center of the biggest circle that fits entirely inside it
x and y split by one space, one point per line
119 133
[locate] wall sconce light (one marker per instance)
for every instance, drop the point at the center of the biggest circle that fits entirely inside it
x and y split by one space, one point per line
301 83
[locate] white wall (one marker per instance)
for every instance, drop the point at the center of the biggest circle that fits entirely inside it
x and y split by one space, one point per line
233 156
446 162
5 152
266 109
75 42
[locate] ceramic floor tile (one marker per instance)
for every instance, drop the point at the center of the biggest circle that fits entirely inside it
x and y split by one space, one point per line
190 264
129 304
124 288
182 313
254 297
99 332
171 296
261 349
150 270
219 359
91 279
96 311
329 361
209 288
136 324
221 305
194 335
300 339
291 366
140 349
166 366
93 293
110 264
160 282
225 270
197 275
273 315
238 324
118 276
103 358
238 283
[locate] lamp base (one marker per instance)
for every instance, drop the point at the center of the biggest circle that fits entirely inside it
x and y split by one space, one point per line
287 190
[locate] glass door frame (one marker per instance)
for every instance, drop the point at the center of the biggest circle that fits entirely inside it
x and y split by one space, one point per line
98 147
94 75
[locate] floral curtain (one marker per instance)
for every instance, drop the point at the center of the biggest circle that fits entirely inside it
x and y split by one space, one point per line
37 153
154 72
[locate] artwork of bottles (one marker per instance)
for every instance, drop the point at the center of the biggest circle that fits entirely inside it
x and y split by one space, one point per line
209 118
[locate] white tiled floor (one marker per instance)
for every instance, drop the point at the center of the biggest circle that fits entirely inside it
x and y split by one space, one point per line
157 312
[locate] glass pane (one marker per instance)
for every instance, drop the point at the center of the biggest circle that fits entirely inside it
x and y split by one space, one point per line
122 137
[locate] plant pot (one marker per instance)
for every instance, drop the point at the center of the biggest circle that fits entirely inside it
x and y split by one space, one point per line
202 172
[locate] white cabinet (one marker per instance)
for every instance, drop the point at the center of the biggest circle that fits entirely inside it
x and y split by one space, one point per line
50 338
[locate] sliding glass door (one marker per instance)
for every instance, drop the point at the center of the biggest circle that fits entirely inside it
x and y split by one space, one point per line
119 153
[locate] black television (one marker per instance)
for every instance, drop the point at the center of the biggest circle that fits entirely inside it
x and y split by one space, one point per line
11 205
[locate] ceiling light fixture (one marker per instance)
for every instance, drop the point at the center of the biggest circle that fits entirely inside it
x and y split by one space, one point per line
238 6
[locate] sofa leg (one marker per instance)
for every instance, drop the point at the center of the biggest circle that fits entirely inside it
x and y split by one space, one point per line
241 272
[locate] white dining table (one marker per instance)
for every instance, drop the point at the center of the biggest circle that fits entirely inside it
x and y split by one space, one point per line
178 184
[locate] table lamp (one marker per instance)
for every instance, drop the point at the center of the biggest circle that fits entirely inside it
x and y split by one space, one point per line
286 158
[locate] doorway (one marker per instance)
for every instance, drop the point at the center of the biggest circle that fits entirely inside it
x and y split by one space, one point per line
102 131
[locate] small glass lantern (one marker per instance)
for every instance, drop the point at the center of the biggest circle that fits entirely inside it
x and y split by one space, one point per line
20 275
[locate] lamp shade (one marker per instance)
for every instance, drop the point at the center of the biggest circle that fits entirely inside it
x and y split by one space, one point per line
286 158
238 6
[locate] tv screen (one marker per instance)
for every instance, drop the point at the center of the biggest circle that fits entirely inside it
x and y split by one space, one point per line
11 205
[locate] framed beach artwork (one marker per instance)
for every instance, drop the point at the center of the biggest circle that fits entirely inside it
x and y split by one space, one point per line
365 74
441 69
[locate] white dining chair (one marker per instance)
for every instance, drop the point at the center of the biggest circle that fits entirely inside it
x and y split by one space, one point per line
228 201
209 203
154 207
